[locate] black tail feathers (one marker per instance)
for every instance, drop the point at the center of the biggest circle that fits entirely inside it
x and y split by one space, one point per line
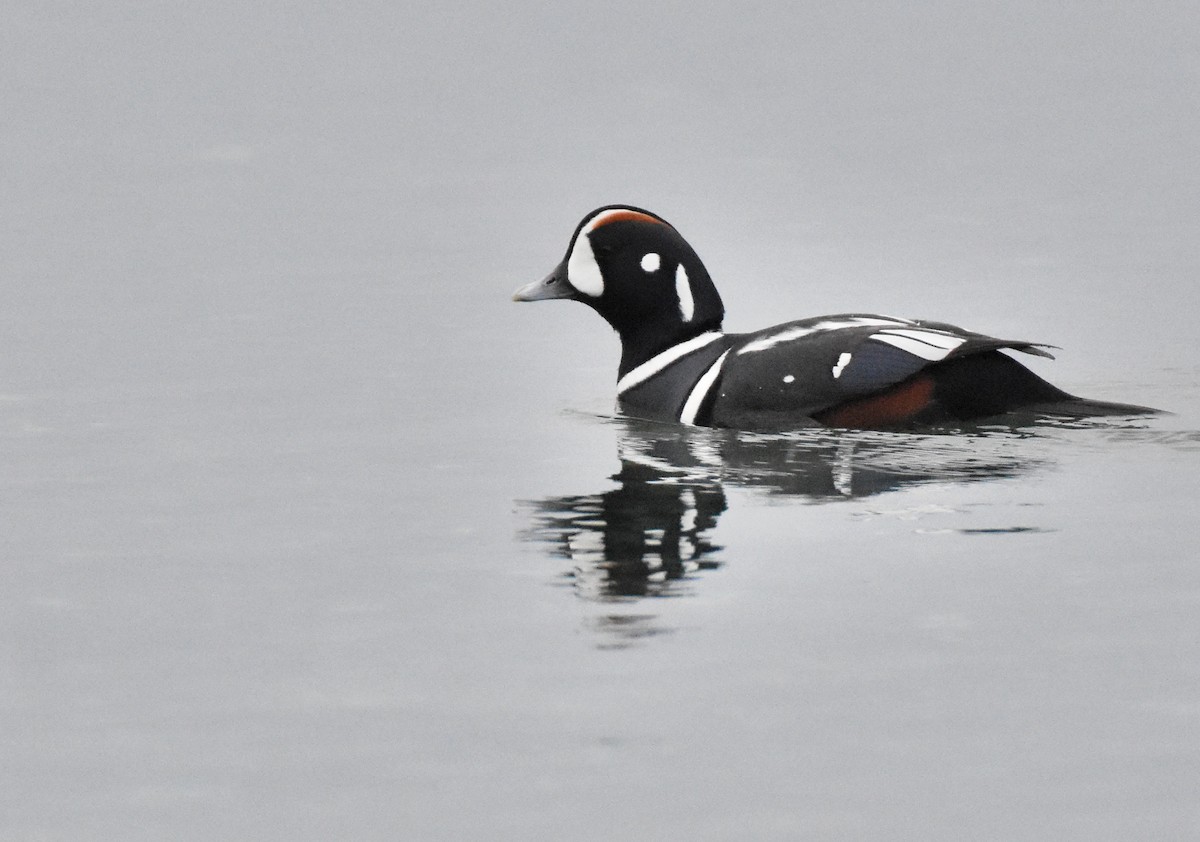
993 383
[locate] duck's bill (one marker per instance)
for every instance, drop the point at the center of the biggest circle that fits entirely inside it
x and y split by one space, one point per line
553 285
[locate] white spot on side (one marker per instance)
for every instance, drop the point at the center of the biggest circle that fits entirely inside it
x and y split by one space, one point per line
660 361
650 262
920 343
793 333
842 362
583 272
789 378
691 407
683 288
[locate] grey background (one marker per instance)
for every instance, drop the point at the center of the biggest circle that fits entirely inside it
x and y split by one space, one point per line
270 423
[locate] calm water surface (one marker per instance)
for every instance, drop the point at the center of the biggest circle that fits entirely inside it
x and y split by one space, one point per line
310 533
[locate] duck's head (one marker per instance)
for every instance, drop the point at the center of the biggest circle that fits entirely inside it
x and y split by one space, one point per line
635 270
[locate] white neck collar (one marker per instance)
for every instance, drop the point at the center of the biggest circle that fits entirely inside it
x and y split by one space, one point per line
663 359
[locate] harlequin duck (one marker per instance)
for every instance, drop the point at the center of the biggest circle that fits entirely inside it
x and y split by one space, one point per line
851 370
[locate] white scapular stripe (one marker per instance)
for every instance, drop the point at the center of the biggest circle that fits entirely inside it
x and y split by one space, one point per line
920 343
691 406
793 333
683 288
660 361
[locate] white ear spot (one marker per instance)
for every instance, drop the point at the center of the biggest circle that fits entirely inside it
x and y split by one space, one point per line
650 262
789 378
683 288
583 272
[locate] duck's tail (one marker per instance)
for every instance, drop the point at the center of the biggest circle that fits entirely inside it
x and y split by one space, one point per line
994 383
1073 407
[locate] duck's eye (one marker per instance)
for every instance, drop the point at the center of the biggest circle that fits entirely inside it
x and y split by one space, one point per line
650 262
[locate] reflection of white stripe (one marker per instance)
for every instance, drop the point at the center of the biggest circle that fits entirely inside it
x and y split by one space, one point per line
657 363
687 523
794 333
705 452
628 454
843 469
927 346
691 406
586 547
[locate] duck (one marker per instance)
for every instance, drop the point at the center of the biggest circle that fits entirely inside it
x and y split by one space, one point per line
851 370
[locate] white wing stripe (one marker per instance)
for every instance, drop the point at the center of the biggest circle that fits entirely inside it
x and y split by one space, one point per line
919 347
938 340
834 324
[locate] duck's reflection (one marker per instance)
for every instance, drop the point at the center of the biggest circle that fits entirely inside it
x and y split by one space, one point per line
642 538
651 534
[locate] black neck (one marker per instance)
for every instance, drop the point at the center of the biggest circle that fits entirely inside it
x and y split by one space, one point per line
638 347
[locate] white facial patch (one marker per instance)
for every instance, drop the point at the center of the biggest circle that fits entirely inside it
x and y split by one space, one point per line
583 272
683 288
650 262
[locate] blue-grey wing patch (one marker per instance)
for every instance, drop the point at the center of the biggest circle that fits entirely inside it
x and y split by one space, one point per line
889 356
873 366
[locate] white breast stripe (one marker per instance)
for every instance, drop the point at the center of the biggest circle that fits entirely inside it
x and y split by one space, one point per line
691 406
657 363
793 333
919 347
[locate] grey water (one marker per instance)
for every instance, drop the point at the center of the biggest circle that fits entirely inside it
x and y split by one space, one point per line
310 533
